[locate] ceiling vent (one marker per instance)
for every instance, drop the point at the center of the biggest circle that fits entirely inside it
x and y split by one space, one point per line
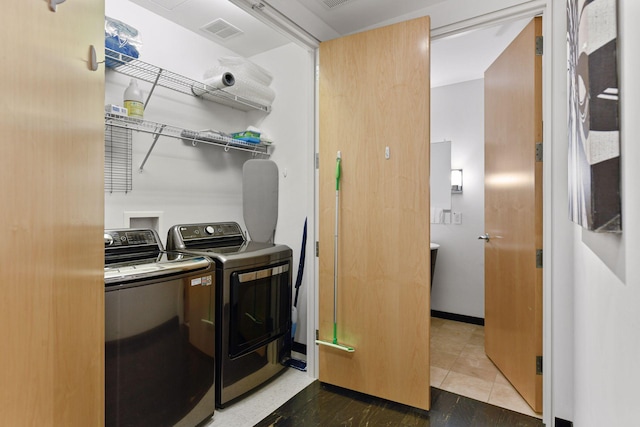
168 4
222 30
334 3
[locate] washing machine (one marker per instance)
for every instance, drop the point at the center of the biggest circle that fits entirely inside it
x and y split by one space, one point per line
159 333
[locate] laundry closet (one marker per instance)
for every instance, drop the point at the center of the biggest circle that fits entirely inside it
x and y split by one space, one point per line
188 166
177 180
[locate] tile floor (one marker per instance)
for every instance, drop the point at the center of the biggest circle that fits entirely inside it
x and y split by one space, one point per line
459 365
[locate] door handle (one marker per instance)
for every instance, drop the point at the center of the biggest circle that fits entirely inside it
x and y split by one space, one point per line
484 237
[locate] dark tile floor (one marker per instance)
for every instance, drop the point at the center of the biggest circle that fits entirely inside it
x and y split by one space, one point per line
325 405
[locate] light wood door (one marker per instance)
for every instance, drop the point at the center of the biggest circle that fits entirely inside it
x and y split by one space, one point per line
513 213
374 97
51 253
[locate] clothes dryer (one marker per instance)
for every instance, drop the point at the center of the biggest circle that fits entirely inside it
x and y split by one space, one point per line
253 303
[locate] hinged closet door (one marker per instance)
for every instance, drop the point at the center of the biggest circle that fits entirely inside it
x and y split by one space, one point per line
374 109
52 215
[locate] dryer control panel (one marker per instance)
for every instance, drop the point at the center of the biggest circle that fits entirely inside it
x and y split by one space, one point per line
220 229
210 235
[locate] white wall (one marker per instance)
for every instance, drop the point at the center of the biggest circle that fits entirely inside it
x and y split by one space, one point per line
204 183
457 115
185 183
607 295
291 119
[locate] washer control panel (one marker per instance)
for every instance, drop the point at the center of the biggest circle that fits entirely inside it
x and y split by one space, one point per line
119 238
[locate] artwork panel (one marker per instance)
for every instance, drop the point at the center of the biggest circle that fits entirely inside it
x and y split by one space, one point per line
593 125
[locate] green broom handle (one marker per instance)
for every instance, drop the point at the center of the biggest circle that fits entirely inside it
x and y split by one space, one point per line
335 252
338 170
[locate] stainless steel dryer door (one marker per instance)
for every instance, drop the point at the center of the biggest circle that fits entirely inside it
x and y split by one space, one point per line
260 307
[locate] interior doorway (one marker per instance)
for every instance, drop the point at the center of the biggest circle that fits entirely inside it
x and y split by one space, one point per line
458 283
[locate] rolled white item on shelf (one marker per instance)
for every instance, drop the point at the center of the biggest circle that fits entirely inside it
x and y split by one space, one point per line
215 83
250 69
245 86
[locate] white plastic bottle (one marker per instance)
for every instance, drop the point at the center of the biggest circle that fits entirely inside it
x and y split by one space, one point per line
133 101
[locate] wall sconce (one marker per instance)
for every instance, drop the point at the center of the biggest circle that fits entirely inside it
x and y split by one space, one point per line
456 181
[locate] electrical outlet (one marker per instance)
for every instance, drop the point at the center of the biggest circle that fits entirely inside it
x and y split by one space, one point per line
457 218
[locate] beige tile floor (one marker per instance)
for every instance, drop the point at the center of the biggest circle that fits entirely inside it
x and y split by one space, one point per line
459 365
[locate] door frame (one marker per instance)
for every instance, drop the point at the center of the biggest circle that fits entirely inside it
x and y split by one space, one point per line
528 9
